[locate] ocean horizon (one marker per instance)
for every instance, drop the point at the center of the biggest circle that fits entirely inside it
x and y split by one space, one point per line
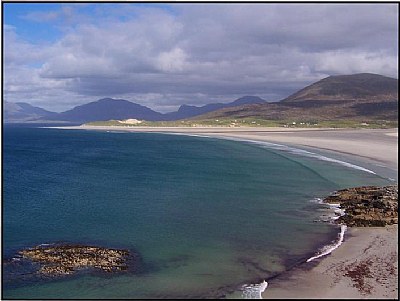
208 217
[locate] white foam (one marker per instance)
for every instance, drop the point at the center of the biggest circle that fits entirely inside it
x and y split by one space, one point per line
338 212
317 200
329 248
187 134
292 150
254 291
305 153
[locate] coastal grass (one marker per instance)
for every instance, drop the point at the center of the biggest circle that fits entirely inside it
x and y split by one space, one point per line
257 122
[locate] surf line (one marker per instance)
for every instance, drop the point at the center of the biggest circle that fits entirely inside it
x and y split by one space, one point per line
328 249
254 291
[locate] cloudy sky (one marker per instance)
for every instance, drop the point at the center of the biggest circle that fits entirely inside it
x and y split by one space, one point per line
57 56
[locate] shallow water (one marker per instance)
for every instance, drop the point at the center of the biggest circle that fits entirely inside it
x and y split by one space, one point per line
206 215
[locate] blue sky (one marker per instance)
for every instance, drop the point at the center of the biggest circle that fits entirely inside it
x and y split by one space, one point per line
17 15
60 55
26 17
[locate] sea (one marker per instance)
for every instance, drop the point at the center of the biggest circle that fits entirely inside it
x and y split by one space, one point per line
207 217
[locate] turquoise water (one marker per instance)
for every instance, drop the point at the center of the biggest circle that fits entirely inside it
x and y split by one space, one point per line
206 215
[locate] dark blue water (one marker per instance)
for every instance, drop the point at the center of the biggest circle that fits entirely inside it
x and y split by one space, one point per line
205 215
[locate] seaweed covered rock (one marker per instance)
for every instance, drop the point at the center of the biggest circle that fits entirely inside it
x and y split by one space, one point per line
367 206
56 260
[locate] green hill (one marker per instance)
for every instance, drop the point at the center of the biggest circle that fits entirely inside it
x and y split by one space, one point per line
357 98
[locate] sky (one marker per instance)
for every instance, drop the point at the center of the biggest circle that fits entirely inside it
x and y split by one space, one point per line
57 56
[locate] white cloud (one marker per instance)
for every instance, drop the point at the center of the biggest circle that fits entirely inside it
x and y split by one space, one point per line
43 16
339 62
198 53
173 60
20 52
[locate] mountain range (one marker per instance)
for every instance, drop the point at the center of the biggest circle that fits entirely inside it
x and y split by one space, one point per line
22 112
108 108
356 96
342 97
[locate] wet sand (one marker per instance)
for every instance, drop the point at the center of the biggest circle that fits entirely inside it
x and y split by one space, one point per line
364 266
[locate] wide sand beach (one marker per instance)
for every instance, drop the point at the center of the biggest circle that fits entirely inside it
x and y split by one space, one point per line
366 264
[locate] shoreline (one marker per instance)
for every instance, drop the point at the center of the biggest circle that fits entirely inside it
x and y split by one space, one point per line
365 266
371 146
366 263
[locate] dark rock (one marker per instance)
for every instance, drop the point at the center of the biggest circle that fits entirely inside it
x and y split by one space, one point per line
367 206
58 260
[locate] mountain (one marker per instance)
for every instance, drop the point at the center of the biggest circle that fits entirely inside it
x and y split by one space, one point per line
245 100
187 111
23 112
357 97
363 86
107 109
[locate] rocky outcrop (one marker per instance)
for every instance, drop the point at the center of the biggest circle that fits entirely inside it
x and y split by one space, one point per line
367 206
57 260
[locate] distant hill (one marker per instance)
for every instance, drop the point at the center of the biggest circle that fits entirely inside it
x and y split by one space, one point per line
186 111
342 97
107 109
23 112
358 97
363 86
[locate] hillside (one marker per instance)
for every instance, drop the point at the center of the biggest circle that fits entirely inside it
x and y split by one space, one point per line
358 97
106 109
363 86
187 111
23 112
347 97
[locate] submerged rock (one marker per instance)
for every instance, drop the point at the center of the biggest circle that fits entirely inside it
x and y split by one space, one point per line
56 260
367 206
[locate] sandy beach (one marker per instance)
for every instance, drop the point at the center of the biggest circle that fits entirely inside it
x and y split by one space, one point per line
376 147
366 264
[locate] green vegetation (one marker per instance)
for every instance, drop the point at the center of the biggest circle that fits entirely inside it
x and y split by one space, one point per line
368 124
106 123
257 122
